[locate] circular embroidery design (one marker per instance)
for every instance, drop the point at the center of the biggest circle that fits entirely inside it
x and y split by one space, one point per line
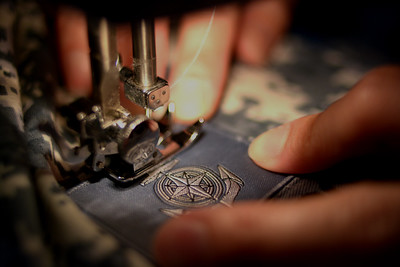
190 187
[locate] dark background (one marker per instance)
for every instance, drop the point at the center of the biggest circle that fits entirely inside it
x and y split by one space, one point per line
375 24
372 23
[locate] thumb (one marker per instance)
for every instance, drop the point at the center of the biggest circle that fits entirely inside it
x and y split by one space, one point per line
366 120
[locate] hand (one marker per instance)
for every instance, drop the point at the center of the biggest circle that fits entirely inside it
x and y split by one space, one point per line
357 223
247 32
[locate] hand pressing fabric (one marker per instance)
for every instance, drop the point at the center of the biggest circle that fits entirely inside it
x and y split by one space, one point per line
355 224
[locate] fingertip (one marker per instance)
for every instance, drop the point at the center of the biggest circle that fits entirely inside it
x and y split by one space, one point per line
194 99
267 148
294 147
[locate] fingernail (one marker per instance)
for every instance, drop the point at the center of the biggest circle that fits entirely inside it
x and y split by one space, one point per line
266 149
182 243
192 99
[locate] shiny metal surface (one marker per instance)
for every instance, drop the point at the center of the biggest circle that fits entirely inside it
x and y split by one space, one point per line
144 53
104 63
109 140
149 98
141 85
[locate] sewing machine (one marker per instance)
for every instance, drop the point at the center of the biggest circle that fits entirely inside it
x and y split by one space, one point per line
110 139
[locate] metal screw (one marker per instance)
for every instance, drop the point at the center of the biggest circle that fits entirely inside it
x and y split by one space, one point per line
80 116
100 164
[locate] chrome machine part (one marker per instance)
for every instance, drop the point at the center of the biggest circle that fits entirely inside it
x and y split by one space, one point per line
127 148
142 86
172 145
144 52
105 66
108 139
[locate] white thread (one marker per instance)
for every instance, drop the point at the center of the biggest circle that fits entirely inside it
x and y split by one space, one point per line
203 41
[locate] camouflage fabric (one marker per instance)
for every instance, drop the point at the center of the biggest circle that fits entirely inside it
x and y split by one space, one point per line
41 225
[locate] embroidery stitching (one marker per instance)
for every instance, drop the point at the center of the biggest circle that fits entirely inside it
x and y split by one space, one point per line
195 187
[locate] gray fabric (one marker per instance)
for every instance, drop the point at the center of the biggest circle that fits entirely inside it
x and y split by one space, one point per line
134 213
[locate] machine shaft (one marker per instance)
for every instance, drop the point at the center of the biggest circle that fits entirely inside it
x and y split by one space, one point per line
104 63
144 53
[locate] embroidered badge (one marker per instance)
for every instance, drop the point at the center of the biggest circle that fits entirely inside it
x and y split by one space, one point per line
194 187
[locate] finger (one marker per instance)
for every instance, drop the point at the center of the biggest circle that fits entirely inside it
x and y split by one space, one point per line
264 23
73 45
162 45
366 120
352 225
124 46
197 88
